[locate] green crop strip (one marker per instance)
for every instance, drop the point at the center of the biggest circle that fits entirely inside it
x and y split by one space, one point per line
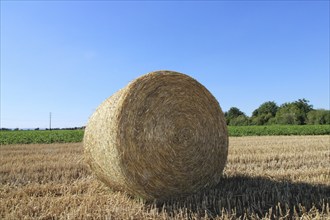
69 136
278 130
41 137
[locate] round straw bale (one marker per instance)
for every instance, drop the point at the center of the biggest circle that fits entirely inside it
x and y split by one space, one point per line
162 136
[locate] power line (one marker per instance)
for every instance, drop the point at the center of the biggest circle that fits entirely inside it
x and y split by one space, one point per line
50 121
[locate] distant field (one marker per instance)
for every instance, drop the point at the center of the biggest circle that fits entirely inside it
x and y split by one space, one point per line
70 136
269 177
41 137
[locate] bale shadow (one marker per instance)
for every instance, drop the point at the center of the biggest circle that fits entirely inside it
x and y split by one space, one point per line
244 195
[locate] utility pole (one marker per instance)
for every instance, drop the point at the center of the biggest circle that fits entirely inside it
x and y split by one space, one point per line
50 121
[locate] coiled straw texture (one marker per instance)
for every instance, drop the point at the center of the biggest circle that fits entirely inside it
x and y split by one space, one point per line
162 136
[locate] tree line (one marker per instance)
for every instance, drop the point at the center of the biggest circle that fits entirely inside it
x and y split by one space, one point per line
299 112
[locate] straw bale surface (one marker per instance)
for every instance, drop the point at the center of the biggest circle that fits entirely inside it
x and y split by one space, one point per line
162 136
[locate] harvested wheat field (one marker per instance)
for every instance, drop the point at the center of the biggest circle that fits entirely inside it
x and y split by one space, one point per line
265 177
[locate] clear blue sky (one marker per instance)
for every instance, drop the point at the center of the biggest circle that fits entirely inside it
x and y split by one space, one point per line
67 57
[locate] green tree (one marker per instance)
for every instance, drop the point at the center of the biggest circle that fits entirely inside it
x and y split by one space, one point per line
293 112
233 113
269 107
303 105
239 121
288 114
264 113
318 117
